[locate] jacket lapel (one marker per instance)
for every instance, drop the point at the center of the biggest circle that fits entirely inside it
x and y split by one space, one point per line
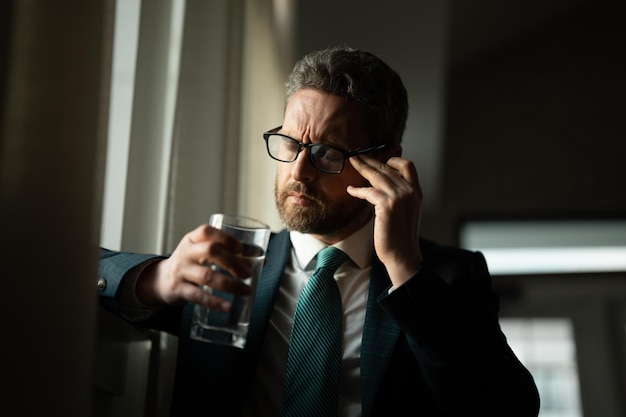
379 338
276 260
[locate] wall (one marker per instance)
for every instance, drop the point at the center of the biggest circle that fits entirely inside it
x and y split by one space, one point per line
535 128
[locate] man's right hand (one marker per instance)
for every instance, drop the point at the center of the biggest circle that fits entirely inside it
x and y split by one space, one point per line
178 279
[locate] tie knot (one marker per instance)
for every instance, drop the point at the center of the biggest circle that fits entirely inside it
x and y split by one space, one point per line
330 258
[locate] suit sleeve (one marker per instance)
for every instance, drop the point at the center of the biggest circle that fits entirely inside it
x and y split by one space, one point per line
115 267
118 274
449 314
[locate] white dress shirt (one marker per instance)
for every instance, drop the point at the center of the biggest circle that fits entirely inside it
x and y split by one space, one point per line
353 281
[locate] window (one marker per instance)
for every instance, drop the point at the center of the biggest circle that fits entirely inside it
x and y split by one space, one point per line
536 247
546 347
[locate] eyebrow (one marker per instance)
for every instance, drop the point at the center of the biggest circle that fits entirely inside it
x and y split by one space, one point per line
324 140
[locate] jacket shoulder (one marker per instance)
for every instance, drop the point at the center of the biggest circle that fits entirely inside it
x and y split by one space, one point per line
450 262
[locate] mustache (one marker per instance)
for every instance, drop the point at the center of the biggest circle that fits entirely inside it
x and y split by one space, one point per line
302 188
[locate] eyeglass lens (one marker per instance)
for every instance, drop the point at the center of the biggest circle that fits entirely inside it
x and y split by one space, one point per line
322 156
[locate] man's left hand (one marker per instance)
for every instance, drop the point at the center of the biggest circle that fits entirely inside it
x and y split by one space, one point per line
396 195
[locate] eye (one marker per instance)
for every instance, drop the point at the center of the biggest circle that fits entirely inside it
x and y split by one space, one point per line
289 145
326 153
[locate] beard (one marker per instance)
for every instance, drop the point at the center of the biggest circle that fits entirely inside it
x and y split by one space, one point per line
321 217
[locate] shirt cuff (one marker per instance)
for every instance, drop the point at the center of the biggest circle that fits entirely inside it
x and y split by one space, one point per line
392 288
130 306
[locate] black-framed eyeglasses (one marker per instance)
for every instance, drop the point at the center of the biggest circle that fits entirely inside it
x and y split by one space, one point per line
326 158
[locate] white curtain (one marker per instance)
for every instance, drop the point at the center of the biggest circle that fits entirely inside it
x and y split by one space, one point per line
208 80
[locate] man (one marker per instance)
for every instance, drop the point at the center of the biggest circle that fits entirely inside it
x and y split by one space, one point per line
420 321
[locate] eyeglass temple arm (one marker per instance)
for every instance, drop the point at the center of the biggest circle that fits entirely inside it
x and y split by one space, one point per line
350 154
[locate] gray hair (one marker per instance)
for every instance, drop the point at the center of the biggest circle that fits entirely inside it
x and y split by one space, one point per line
361 76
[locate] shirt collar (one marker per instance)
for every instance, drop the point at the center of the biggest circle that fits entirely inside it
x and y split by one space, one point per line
358 246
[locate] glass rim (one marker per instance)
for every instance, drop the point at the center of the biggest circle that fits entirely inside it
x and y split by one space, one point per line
239 221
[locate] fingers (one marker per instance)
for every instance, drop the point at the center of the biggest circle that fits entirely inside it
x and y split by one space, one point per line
405 168
210 236
205 258
204 294
207 245
196 283
391 181
222 282
393 171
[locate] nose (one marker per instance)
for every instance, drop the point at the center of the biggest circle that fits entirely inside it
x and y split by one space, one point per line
302 169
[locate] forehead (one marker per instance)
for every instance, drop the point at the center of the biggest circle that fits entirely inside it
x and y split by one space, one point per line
316 116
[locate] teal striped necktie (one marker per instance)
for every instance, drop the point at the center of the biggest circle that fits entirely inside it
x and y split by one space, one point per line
315 345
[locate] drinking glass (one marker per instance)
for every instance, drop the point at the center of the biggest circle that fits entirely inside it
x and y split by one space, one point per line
231 327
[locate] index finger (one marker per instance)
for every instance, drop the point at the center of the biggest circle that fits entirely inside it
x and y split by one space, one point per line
205 233
373 169
405 168
214 246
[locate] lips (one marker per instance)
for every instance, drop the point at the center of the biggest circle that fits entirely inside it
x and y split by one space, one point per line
300 199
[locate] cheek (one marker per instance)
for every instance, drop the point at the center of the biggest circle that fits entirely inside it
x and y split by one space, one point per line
352 177
337 186
282 173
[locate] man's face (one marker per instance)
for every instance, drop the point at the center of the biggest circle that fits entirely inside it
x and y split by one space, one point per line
309 200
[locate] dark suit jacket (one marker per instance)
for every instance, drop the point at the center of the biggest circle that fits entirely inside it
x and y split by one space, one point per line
432 347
